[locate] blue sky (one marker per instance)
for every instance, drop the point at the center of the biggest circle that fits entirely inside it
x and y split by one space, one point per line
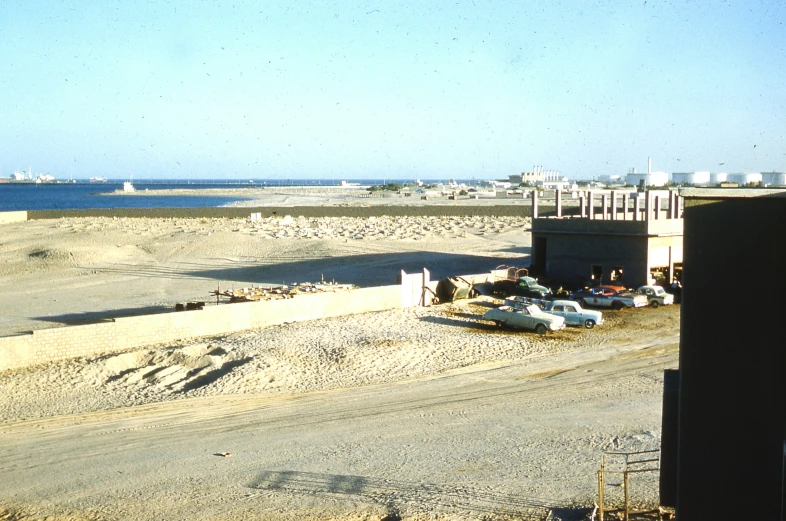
430 90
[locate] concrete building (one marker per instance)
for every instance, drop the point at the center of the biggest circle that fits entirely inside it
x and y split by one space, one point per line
628 238
730 455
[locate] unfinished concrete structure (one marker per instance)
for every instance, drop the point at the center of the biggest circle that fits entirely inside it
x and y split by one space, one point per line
730 457
630 239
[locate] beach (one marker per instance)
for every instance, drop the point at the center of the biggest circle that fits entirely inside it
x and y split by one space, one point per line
418 413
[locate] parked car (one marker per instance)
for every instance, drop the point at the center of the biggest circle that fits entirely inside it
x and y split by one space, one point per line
614 297
656 295
530 317
522 286
574 314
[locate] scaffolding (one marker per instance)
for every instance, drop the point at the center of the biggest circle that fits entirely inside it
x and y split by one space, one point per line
627 464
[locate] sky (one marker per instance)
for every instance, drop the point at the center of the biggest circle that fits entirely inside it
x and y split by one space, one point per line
397 90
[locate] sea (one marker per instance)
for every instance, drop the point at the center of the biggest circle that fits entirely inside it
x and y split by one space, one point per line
82 195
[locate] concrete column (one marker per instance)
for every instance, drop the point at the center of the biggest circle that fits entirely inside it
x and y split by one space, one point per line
582 206
559 202
590 205
647 206
534 204
625 207
657 207
613 205
604 201
637 207
672 209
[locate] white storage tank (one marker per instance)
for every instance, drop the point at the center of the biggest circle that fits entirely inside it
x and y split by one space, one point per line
773 178
744 179
718 177
651 179
691 178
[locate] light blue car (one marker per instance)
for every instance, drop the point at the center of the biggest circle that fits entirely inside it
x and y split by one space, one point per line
574 314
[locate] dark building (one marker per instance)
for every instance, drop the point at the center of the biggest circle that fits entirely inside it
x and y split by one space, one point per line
630 239
731 432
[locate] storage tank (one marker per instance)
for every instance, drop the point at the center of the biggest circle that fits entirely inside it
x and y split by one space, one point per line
744 179
773 179
691 178
719 177
701 178
681 178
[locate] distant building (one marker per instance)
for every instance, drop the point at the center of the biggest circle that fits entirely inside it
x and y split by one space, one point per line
537 177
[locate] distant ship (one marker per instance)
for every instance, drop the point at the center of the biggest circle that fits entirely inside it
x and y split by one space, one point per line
98 179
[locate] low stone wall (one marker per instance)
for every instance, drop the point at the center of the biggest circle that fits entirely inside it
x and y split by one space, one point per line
12 217
47 345
232 212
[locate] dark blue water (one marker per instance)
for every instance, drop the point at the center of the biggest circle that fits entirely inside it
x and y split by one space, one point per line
76 196
79 196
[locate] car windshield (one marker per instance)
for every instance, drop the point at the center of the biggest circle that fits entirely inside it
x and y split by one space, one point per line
533 309
659 290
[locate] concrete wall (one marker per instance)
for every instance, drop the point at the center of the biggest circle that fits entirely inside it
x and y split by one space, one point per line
12 217
48 345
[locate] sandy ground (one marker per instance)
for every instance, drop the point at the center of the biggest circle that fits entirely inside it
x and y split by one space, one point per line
424 413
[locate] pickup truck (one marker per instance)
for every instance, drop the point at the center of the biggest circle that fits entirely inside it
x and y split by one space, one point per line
530 317
614 297
522 286
656 295
574 314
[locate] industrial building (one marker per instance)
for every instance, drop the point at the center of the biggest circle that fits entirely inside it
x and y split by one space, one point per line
724 429
622 238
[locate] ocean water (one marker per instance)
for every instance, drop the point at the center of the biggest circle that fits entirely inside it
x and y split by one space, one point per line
84 195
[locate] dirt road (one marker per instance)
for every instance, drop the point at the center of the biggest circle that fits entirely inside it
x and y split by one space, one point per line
516 438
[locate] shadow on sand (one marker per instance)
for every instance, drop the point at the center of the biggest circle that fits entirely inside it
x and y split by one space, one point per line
388 493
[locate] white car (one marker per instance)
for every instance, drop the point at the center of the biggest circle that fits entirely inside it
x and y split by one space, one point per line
656 295
574 314
530 317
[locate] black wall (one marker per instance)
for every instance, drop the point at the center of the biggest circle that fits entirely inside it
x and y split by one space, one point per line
732 409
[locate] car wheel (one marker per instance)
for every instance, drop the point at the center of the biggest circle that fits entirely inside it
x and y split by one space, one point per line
654 303
617 305
589 324
541 329
498 323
